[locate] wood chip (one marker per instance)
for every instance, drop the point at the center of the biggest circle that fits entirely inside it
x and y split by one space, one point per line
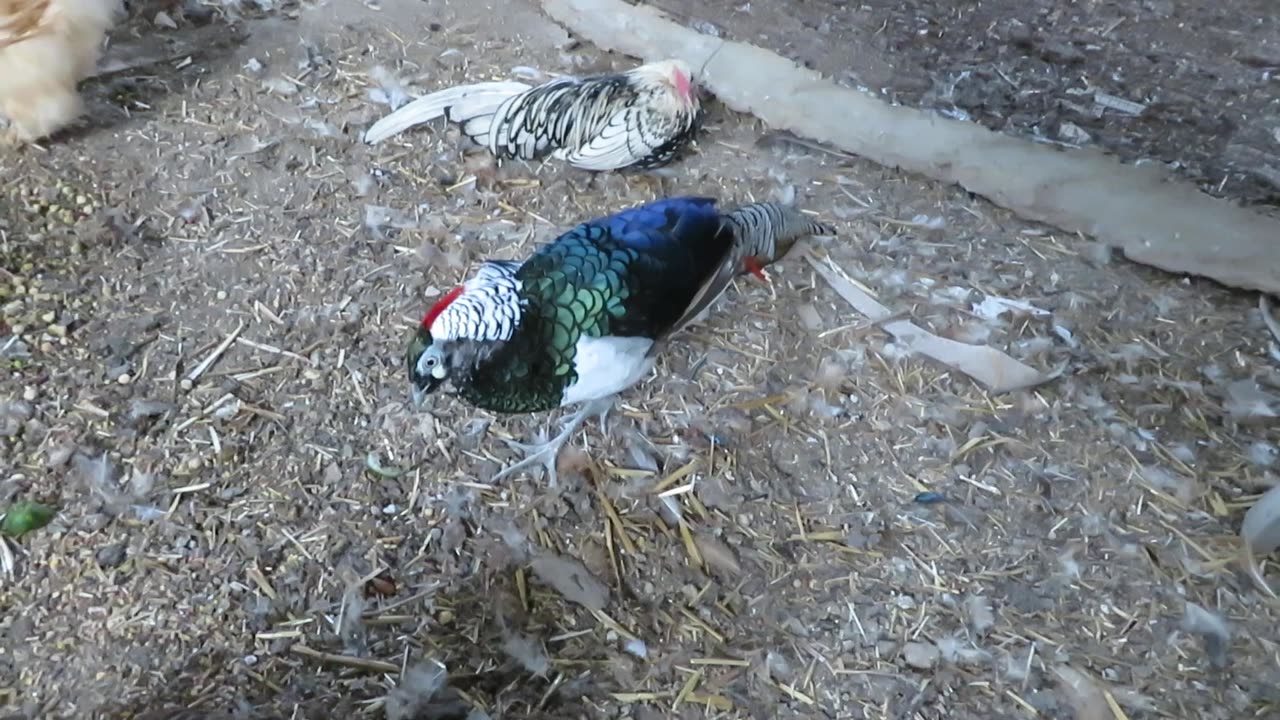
1119 104
345 660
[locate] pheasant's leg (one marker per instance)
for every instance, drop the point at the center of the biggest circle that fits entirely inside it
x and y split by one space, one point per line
600 409
546 453
653 178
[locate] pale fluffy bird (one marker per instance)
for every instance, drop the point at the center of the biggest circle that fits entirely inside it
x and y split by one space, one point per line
46 48
640 119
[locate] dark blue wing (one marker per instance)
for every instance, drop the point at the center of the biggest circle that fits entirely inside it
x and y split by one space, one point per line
654 226
632 273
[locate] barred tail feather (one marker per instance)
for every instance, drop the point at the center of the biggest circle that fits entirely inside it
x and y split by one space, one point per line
767 230
466 104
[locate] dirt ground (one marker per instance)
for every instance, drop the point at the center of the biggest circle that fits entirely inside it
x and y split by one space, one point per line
855 532
1205 76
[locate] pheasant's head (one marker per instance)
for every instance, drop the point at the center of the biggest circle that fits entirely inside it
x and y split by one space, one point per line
429 364
464 329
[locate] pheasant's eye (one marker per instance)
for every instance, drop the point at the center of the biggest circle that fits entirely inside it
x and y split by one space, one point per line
431 362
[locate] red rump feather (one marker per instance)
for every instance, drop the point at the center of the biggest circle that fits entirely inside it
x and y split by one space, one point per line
440 305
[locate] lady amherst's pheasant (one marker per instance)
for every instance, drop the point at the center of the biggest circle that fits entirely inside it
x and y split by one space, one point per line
640 119
583 318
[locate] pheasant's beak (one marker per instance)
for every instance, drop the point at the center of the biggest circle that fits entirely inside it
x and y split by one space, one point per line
416 396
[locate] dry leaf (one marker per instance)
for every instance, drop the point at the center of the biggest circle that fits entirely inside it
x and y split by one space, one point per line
1084 694
999 372
572 579
1212 629
382 585
1260 532
809 317
717 555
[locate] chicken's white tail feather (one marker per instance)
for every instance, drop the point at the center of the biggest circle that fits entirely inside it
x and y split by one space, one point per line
461 104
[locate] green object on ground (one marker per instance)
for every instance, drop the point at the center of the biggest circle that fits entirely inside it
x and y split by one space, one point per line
24 516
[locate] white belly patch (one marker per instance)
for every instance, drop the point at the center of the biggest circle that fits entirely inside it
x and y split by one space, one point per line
607 366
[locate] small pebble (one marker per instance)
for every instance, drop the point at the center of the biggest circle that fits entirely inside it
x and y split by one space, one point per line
111 555
163 20
30 393
58 456
921 656
222 294
124 379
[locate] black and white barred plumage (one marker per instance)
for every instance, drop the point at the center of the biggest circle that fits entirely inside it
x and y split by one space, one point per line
759 227
762 233
487 308
638 119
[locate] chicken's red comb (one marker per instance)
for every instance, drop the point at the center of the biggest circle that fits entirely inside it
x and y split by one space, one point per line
440 305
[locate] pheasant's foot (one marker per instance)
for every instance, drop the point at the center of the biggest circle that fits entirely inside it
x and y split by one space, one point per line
544 454
601 408
653 179
548 452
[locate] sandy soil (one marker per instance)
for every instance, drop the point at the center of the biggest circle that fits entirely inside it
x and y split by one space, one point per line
866 535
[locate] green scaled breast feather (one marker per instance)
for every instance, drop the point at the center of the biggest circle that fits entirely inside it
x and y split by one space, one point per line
574 289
